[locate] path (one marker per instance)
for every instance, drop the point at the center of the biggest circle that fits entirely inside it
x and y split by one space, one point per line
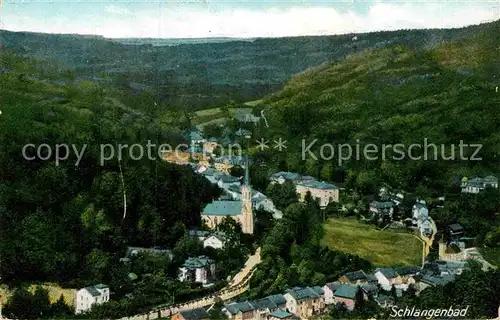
238 285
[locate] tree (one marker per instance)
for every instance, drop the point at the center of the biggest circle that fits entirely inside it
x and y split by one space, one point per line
237 171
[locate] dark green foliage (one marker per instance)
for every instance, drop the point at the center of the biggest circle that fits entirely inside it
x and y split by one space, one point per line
66 223
23 304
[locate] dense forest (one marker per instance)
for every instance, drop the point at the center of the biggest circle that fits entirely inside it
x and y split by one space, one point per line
208 74
66 222
395 95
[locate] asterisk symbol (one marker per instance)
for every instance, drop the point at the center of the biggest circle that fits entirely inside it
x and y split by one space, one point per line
262 144
280 144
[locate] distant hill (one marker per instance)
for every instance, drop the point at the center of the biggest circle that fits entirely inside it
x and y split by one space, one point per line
210 73
399 94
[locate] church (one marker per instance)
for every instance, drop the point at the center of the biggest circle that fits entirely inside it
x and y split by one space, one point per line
239 210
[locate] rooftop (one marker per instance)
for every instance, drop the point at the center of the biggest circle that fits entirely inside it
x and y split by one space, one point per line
223 208
347 291
237 307
197 262
356 275
281 314
299 293
317 185
195 314
389 273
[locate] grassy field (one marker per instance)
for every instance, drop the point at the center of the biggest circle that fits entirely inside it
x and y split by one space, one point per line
54 293
382 248
208 112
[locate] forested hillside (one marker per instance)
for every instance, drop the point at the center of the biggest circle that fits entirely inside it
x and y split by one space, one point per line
208 74
62 222
395 95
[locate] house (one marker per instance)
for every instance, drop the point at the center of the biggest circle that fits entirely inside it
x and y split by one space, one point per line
194 137
426 228
225 181
243 133
456 231
321 191
329 290
200 234
408 274
387 277
384 301
433 281
88 296
282 176
240 311
200 270
134 251
369 289
478 184
305 302
226 162
347 294
263 307
215 241
382 209
278 299
210 145
192 314
247 118
281 315
355 277
419 212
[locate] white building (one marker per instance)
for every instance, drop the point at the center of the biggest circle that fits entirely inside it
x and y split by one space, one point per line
214 241
89 296
200 270
478 184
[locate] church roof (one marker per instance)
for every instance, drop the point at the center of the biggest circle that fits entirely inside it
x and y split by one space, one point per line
223 208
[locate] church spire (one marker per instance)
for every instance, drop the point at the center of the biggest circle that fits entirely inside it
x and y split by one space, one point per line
246 180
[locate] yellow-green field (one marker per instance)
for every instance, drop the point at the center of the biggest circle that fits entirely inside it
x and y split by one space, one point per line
382 248
54 293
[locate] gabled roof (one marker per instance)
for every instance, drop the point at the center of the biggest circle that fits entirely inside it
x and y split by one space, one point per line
381 298
278 299
456 227
347 291
437 280
282 314
228 179
370 288
93 291
197 262
405 271
264 303
223 208
233 160
299 293
333 286
356 275
101 286
237 307
195 314
194 136
389 273
317 185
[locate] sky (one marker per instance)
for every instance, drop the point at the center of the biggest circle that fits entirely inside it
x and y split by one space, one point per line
237 18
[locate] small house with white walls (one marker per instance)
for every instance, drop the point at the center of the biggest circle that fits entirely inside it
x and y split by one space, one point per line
89 296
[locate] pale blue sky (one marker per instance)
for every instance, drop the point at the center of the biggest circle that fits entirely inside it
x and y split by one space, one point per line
243 18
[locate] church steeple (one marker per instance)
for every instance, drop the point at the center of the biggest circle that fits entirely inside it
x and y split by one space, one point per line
247 223
246 180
